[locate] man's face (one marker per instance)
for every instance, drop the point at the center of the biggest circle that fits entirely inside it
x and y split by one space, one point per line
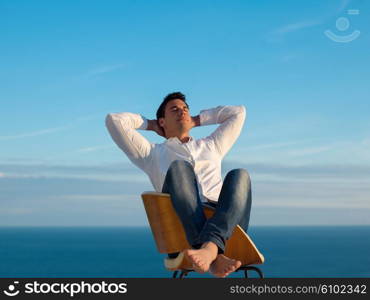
176 116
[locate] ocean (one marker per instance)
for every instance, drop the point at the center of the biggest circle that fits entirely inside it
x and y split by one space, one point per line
130 252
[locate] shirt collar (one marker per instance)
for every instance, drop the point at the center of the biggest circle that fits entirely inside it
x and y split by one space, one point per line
177 141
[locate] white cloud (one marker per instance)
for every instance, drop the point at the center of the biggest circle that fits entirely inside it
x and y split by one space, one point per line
310 150
315 152
300 181
278 33
122 201
102 70
141 178
293 188
296 27
310 204
114 172
50 130
272 145
93 197
17 211
2 174
34 133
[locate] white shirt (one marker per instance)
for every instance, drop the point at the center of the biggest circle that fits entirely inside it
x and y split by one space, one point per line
205 154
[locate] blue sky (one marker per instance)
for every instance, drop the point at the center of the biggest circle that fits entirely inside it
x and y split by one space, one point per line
65 65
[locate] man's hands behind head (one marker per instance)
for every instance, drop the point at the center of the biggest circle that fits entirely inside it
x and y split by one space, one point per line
195 121
154 126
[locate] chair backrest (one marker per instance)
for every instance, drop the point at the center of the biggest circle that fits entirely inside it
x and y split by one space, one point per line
170 237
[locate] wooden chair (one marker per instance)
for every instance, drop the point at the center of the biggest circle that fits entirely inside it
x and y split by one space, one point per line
170 237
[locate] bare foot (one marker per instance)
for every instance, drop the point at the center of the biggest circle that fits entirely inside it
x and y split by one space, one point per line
223 266
202 258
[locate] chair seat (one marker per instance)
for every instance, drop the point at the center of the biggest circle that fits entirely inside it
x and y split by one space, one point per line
169 234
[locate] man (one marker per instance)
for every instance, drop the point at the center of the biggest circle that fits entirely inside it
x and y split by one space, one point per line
190 171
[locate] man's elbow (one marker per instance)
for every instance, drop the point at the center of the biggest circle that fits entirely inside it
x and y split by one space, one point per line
241 111
109 122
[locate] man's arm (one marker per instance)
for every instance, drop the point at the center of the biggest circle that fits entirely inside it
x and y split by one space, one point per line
123 130
231 120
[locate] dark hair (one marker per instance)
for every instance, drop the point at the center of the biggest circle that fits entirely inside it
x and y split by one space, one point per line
168 98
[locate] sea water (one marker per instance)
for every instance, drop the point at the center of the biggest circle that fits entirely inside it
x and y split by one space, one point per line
318 251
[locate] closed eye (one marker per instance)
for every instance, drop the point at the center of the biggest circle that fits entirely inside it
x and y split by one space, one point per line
177 108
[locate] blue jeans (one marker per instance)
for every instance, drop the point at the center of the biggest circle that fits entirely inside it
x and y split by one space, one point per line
233 206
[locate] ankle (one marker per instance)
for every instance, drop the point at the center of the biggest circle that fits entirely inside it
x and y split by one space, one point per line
210 246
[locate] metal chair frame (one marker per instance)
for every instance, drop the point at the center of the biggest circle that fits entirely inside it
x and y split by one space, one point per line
183 273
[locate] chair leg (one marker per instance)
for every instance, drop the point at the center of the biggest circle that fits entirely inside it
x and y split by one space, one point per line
182 274
250 268
246 268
